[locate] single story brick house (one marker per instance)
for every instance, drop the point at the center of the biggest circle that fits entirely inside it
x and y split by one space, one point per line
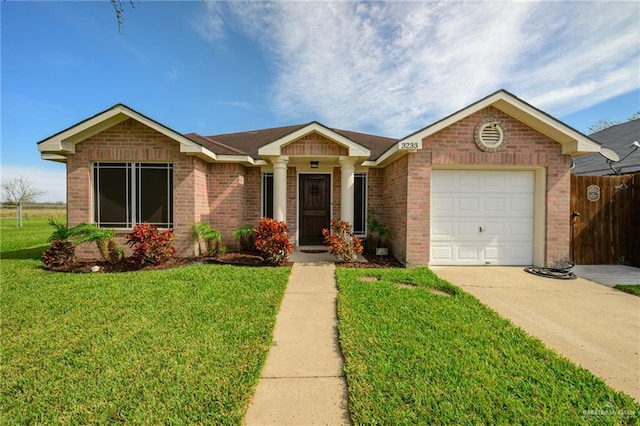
489 184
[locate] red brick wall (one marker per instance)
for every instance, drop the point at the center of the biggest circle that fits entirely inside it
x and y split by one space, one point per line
227 198
131 141
374 192
336 191
522 146
253 196
394 205
314 144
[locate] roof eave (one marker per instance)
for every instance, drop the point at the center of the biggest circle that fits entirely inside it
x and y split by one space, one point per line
572 141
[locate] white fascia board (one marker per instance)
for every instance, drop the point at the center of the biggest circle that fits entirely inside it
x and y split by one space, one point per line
53 157
211 157
64 142
274 148
442 124
572 141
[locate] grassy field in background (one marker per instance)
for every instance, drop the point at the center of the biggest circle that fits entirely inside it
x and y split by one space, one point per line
414 357
180 346
36 213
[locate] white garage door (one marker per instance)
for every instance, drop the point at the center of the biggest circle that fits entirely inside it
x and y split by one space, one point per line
481 217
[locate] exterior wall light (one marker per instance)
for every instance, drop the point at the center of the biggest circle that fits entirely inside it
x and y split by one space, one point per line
314 164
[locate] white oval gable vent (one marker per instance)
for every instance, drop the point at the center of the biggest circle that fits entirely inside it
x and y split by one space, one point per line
489 136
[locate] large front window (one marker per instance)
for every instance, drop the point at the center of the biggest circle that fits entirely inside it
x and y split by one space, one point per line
126 194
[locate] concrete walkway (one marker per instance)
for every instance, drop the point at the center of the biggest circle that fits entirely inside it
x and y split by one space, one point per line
592 325
609 275
302 381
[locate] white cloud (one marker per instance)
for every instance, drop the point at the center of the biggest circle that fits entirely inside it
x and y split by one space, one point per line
395 67
210 25
51 179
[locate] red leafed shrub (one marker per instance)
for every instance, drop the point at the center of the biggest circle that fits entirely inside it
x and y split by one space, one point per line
150 246
341 240
60 253
272 241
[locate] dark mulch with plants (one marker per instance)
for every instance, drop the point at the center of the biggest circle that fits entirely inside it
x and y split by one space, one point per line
86 265
373 262
232 258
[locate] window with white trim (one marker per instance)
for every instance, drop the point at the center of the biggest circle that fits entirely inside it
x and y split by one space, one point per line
360 204
126 194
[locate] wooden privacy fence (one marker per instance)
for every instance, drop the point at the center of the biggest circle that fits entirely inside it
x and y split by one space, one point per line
605 220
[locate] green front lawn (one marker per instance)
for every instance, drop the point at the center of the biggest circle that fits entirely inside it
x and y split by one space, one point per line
631 289
181 346
414 357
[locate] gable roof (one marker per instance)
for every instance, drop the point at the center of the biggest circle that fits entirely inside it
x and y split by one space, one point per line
63 143
618 138
573 142
250 147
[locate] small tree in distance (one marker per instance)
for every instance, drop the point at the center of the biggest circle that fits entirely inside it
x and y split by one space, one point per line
19 191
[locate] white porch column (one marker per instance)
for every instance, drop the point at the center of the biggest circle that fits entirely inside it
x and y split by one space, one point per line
347 179
280 188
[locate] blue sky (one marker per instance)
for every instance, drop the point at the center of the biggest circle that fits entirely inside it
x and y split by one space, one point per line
387 68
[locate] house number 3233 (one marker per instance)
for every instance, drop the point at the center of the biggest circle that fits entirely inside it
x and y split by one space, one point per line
409 145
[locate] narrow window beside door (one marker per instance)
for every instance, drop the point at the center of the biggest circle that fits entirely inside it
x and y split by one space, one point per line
360 204
267 195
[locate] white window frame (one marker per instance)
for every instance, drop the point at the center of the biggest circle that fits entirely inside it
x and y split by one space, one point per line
133 184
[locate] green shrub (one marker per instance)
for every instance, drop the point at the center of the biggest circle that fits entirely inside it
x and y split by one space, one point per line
272 241
341 240
378 235
150 246
245 237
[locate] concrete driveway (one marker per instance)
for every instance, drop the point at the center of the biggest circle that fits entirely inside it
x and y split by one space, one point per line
592 325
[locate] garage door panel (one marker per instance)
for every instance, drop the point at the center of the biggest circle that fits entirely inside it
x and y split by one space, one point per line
520 230
466 254
465 230
443 255
467 206
493 205
444 206
442 230
480 217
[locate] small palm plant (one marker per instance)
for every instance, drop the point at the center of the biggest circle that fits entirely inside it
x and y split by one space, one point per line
102 237
202 231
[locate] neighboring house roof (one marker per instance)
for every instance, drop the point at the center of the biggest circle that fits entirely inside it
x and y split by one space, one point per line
618 138
252 147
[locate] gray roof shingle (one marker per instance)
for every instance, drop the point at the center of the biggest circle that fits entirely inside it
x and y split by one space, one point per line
618 138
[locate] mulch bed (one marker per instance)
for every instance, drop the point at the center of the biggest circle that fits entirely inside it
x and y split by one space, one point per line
240 259
373 262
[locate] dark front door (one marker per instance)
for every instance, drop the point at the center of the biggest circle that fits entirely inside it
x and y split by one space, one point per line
315 207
